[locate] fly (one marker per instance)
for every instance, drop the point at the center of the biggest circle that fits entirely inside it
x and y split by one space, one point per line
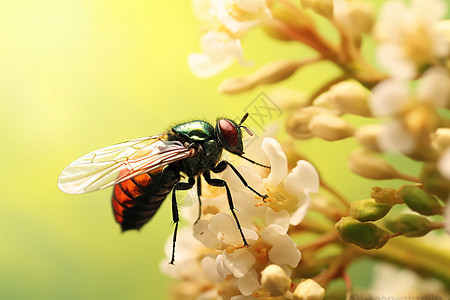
144 171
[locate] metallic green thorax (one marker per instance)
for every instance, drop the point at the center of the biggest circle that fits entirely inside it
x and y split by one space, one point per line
203 136
196 131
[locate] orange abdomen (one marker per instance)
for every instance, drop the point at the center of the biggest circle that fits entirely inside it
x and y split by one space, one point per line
136 200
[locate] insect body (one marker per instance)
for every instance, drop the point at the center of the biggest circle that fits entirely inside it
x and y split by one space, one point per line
144 171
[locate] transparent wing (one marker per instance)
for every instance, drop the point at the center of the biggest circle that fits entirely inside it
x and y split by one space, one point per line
111 165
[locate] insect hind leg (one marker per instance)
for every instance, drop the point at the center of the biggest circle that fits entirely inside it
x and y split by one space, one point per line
199 193
223 183
176 218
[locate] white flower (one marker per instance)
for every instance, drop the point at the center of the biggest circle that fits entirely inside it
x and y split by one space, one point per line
389 97
238 16
410 37
220 50
289 192
394 99
226 21
225 265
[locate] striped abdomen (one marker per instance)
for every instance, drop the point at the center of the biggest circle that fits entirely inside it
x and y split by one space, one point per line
136 200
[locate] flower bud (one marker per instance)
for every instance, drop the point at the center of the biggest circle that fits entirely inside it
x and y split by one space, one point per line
365 164
325 100
443 31
283 16
440 139
321 7
368 136
356 17
368 210
275 280
350 97
419 200
409 225
270 73
309 290
443 164
330 127
385 195
365 235
433 181
298 124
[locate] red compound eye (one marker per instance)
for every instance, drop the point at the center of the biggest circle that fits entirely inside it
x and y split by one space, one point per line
229 132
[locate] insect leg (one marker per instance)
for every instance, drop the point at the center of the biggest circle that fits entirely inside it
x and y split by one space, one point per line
199 193
221 167
220 183
178 186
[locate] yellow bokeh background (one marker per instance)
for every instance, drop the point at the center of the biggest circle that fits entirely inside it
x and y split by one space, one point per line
78 75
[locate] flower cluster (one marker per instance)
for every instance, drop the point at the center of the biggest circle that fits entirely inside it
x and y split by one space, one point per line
212 258
224 23
395 106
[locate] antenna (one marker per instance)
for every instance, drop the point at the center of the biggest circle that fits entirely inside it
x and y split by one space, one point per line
242 121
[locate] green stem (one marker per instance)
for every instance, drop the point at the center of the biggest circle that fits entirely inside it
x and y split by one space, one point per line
417 256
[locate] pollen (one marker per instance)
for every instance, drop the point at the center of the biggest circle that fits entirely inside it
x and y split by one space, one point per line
266 202
210 209
261 254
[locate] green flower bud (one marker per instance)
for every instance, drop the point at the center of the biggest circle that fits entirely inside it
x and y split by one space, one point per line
409 225
368 210
365 235
433 181
419 200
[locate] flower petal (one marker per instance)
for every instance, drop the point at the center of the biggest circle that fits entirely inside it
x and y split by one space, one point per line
388 97
394 137
204 66
219 51
248 283
239 262
280 218
284 250
278 161
298 215
302 179
208 264
203 234
221 267
224 227
434 87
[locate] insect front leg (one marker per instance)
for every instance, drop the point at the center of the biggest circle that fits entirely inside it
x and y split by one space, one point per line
178 186
222 166
223 183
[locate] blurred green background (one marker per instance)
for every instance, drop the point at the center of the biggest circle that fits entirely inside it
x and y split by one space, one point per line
78 75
